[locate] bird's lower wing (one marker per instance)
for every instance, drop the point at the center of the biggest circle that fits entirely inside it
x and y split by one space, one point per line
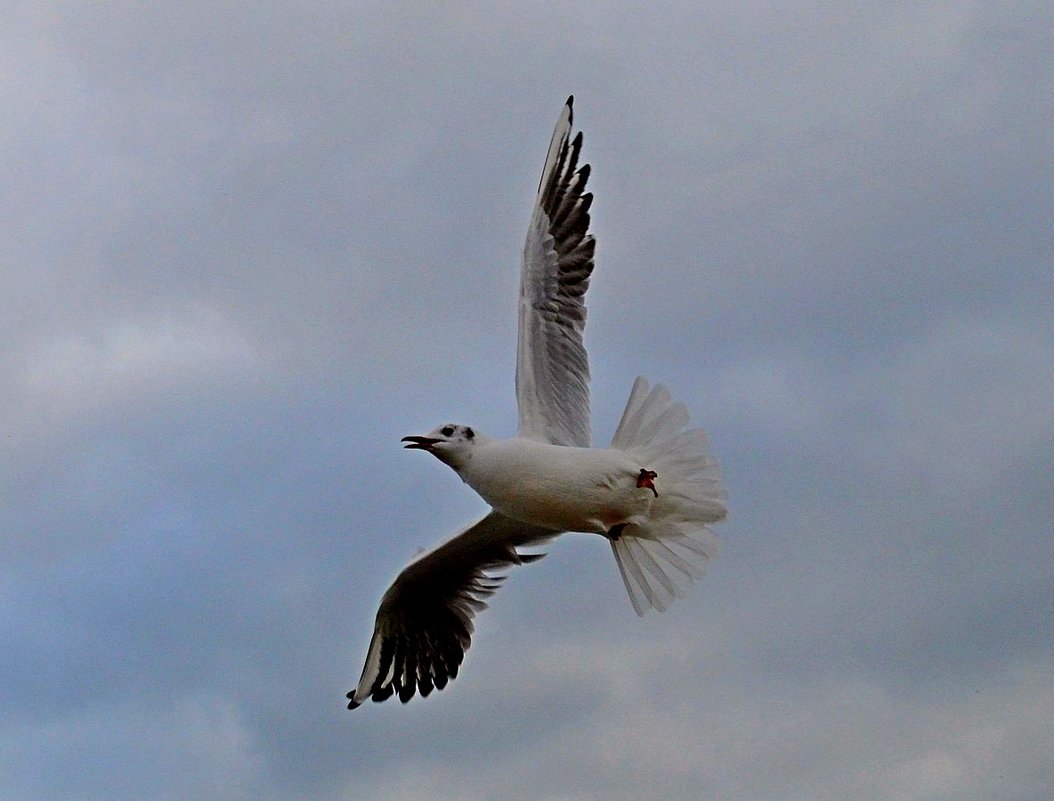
424 623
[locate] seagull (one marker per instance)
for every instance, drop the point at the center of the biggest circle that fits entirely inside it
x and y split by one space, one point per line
651 494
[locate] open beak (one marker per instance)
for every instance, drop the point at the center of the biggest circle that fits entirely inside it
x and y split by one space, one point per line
420 443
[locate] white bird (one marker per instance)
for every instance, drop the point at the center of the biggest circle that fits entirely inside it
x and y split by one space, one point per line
652 493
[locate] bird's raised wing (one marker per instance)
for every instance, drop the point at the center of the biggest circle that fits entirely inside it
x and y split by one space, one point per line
424 624
552 369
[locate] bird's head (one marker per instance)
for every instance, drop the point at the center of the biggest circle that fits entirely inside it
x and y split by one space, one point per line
449 443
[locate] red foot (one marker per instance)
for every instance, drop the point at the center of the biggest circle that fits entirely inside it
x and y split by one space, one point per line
646 478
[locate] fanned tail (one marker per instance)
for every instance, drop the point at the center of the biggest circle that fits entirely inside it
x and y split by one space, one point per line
659 559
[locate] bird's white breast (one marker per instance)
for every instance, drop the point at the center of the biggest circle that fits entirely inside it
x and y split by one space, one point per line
564 488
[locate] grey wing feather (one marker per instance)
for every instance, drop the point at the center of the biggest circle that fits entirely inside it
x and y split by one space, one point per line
552 367
424 623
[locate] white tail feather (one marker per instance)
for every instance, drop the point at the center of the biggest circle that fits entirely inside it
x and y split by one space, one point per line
659 559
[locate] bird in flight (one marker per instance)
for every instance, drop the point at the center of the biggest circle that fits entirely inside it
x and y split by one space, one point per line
652 493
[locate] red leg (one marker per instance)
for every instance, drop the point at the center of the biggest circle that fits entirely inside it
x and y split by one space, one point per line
646 478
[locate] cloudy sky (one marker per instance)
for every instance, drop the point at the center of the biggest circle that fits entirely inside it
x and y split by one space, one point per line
246 247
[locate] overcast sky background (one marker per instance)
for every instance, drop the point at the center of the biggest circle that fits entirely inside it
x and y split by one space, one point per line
246 247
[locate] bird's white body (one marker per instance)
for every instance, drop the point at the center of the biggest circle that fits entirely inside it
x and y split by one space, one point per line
556 486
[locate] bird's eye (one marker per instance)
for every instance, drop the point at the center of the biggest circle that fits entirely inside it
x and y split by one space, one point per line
469 433
446 431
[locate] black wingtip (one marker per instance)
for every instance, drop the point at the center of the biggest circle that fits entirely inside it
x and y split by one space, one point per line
352 703
570 100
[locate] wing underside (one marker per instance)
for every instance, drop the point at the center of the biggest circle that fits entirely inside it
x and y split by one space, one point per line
424 624
552 368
